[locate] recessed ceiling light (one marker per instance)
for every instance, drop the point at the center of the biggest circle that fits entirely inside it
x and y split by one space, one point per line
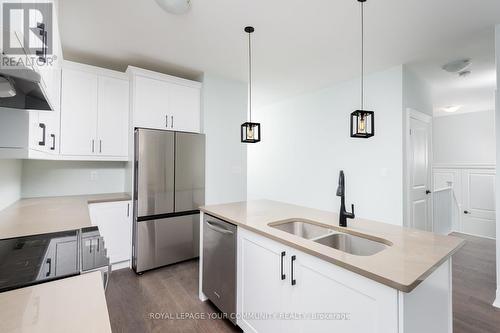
451 109
175 6
457 66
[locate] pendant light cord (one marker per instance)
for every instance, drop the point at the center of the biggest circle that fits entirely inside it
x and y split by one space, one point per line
362 56
250 76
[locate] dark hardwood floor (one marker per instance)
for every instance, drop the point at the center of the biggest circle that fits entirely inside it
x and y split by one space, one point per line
173 290
474 287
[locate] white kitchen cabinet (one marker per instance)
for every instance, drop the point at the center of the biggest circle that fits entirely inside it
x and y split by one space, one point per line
94 113
349 302
78 112
162 101
327 298
260 284
151 103
184 106
114 220
112 116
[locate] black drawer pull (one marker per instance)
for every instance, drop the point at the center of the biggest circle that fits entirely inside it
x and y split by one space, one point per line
53 136
283 276
294 282
42 126
49 261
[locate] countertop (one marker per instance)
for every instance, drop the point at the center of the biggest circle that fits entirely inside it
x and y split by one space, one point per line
51 214
413 255
75 304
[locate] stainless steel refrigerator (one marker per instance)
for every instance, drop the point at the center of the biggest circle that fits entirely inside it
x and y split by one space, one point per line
169 186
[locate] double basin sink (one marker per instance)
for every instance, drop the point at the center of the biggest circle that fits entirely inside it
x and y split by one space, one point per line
341 241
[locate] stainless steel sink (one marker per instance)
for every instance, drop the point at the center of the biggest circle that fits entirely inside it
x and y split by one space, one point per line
302 229
351 244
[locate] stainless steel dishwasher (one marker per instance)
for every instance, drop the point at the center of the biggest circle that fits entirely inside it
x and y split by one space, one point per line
219 264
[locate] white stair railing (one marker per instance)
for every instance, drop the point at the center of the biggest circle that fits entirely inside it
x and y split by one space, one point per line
446 210
444 214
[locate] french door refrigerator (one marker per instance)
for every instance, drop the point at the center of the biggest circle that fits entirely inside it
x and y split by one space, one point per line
169 186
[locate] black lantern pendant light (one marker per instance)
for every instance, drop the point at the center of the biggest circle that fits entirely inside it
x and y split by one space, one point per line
362 121
250 132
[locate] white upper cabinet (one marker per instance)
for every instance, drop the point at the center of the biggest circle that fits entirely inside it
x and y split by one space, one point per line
94 113
150 103
162 101
79 112
112 116
184 106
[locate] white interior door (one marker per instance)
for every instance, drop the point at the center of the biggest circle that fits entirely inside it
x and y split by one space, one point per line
479 203
420 206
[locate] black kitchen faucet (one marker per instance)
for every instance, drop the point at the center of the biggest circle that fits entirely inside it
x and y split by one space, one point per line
343 214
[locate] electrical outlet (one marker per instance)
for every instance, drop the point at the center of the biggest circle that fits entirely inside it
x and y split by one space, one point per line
93 175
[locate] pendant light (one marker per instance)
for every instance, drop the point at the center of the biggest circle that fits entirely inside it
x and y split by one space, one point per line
250 132
362 121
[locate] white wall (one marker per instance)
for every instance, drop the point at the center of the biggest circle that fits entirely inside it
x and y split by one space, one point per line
306 141
465 138
224 110
10 182
416 93
57 178
497 117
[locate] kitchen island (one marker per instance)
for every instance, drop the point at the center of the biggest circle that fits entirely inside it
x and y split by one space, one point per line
305 285
75 304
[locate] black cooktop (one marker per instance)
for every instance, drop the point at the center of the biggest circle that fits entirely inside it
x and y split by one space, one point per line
34 259
30 260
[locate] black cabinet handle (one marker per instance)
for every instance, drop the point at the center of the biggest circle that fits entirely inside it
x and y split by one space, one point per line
294 282
466 212
166 120
283 276
427 192
53 136
43 127
128 210
49 261
172 121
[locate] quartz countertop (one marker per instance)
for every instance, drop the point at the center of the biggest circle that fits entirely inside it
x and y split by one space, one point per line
51 214
412 256
75 304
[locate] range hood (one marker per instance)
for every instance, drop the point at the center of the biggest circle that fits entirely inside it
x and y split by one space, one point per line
21 88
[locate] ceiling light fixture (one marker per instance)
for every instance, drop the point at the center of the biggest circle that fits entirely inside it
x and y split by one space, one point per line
175 6
451 109
250 132
362 121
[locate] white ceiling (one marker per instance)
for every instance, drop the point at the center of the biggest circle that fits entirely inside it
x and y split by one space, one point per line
475 92
299 45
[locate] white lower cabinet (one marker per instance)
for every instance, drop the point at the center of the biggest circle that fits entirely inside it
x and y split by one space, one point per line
281 289
114 220
322 298
261 289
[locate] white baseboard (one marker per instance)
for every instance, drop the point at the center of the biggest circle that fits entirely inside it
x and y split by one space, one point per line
120 265
496 303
